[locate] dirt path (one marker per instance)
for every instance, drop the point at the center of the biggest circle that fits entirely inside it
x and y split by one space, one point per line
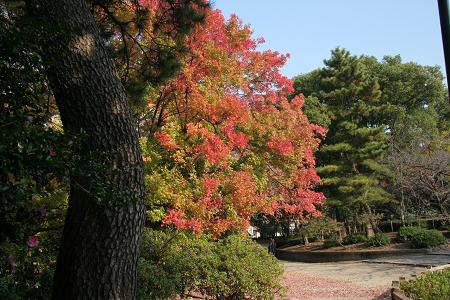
343 280
360 280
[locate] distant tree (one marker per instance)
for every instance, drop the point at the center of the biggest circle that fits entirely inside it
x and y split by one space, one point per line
417 117
315 108
414 98
422 177
411 104
345 98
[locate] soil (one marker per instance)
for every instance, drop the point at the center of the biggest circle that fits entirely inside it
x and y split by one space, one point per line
318 247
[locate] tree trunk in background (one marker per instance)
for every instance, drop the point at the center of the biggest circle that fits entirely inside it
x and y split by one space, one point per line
305 239
402 208
99 248
369 229
372 226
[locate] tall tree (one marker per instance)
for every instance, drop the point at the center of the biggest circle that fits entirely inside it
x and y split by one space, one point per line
417 115
414 97
231 144
421 173
99 249
412 106
344 97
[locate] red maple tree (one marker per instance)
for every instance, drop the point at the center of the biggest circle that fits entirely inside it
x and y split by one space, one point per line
225 123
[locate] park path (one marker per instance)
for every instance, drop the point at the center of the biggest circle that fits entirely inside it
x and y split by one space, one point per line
354 280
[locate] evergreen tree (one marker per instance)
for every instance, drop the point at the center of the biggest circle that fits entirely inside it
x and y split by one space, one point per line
368 105
345 98
417 115
414 98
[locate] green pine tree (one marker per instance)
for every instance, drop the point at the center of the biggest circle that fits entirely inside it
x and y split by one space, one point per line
344 97
369 106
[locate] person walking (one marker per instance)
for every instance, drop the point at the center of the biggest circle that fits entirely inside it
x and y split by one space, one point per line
272 246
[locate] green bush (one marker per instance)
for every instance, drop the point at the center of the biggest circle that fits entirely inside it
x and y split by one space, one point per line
354 238
250 272
378 240
428 238
418 223
319 228
289 241
27 272
430 286
163 270
420 237
330 243
36 157
406 233
173 264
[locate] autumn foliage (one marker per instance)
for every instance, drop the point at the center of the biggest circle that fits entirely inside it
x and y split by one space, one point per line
230 143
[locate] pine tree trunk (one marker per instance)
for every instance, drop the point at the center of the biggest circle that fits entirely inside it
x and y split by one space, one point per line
305 239
372 226
369 230
99 248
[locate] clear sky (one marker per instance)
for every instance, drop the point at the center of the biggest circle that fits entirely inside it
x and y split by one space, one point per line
309 29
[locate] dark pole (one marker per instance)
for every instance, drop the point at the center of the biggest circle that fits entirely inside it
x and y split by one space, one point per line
444 15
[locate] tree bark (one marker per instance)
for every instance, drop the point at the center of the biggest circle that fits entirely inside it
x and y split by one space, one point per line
372 224
100 244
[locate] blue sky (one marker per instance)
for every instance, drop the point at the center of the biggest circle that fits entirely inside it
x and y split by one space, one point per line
309 29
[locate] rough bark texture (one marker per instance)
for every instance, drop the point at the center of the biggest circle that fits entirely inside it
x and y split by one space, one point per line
99 249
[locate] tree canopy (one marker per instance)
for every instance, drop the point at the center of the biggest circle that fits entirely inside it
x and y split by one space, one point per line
372 110
231 144
345 98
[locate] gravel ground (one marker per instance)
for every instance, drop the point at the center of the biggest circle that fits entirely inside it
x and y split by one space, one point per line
343 280
303 286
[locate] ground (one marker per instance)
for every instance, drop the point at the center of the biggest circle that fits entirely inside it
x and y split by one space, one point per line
369 279
318 246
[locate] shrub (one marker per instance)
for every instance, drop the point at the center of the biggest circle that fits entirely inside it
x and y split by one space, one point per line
354 238
319 228
248 270
428 238
330 243
378 240
419 223
26 272
430 286
288 241
420 237
406 233
174 263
